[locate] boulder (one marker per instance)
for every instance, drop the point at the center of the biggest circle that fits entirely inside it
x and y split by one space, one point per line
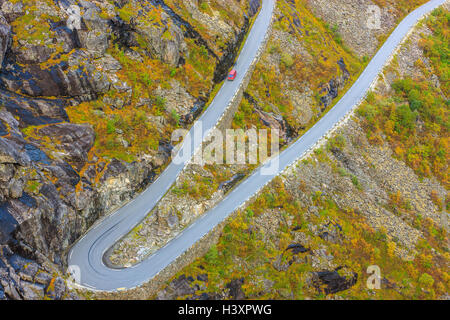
67 38
74 140
331 89
16 188
182 286
274 121
330 282
166 43
331 232
31 54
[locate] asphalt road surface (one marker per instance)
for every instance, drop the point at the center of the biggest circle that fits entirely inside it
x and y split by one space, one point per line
87 257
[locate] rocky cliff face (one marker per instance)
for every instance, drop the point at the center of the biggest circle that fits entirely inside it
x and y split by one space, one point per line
61 58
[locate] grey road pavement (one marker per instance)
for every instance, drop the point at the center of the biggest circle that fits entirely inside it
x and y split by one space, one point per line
87 256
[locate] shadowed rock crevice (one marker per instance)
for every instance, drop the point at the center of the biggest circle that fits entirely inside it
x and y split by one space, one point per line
331 89
330 282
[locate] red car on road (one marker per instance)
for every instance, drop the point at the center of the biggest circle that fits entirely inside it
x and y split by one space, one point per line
232 75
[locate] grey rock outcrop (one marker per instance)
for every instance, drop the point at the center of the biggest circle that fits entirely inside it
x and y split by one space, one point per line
330 282
5 37
11 10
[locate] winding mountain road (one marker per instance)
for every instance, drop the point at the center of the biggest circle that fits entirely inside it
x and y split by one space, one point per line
87 257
